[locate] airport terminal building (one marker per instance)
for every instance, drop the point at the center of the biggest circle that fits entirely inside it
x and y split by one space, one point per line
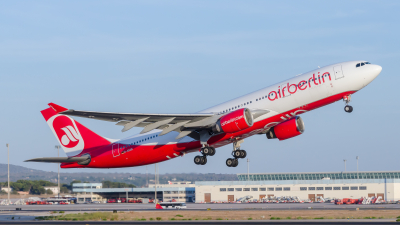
267 185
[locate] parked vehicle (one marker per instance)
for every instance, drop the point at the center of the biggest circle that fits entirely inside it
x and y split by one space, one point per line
173 205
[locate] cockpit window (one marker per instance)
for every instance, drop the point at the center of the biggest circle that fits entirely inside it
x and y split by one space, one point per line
362 64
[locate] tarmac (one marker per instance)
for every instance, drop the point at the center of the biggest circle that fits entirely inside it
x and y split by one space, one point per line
27 214
201 206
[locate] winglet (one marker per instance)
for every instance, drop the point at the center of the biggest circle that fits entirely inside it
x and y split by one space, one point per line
57 108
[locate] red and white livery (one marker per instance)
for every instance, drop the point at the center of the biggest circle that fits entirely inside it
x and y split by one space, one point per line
273 111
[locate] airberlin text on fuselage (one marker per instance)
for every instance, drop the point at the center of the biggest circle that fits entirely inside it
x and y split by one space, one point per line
302 85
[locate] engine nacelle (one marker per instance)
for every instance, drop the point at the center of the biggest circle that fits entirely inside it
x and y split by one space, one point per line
287 129
233 122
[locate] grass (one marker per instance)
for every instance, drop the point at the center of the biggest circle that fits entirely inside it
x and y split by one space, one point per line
82 217
275 218
172 219
288 218
61 212
158 218
250 218
318 218
178 215
219 218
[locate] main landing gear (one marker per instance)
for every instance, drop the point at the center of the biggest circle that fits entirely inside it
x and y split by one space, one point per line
237 154
205 151
348 108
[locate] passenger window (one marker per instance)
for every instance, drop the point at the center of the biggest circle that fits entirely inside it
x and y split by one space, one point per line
358 65
362 64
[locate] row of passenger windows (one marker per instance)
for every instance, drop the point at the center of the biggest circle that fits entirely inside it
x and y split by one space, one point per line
265 97
235 107
140 141
362 188
362 64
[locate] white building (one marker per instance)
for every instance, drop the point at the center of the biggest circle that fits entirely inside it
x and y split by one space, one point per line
6 189
54 189
304 185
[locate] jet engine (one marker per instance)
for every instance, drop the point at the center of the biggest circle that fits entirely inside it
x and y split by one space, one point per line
288 129
233 122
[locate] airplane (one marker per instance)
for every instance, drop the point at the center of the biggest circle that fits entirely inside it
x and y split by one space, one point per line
272 111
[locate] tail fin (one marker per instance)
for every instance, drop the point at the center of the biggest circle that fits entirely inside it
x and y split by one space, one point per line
74 138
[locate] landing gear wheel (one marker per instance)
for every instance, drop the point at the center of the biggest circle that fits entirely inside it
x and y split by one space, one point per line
237 154
212 151
206 150
204 160
243 154
236 163
230 162
348 108
198 159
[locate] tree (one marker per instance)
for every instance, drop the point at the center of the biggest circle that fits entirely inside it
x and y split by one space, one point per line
64 189
49 192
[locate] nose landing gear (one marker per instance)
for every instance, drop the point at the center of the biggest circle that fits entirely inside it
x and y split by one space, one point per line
237 153
348 108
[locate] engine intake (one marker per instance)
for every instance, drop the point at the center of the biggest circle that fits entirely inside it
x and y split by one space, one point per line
287 129
233 122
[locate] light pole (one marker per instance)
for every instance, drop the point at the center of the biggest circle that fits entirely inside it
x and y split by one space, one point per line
59 189
357 166
155 184
344 164
8 162
248 175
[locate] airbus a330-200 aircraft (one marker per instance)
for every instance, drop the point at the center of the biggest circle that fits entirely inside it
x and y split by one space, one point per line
273 111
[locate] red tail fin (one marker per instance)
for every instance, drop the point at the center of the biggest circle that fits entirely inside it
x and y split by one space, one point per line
74 138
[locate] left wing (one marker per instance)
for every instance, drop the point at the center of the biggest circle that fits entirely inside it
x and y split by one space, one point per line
185 124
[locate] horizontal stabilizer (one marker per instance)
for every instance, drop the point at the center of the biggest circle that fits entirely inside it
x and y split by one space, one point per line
59 159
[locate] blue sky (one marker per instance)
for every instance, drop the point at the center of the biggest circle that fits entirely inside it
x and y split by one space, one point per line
185 56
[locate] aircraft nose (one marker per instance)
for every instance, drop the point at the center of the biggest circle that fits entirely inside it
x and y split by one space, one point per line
376 69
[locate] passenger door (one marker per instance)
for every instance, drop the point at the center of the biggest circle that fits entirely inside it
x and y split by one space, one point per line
115 149
338 72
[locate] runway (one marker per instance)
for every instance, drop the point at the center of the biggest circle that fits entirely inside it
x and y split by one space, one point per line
193 206
333 222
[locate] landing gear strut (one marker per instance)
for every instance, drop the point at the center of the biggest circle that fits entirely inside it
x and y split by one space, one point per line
237 153
348 108
205 151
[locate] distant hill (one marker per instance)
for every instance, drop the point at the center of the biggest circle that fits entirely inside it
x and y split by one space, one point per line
138 179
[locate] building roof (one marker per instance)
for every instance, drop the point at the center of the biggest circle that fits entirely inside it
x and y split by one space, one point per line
320 176
294 182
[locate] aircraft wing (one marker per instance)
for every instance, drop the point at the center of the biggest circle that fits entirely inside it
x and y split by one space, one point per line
58 159
185 124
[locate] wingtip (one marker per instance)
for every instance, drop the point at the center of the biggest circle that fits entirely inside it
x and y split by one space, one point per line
57 108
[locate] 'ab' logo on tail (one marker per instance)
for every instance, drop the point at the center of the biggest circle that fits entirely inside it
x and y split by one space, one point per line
67 133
